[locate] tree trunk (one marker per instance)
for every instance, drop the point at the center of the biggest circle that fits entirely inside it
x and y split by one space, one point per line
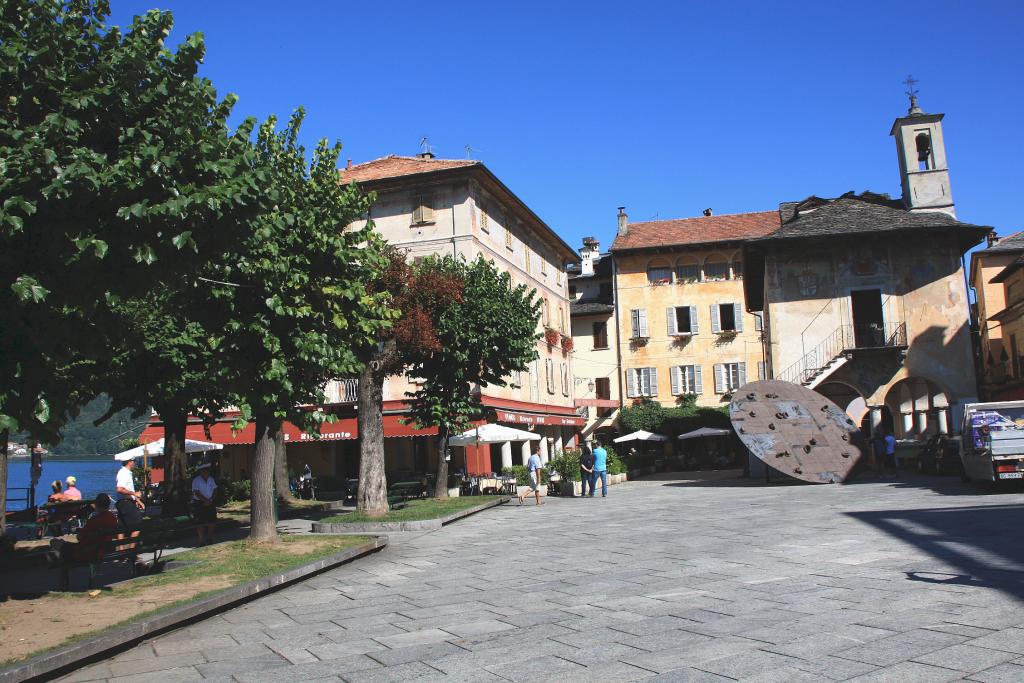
281 467
4 440
175 462
441 485
373 485
263 526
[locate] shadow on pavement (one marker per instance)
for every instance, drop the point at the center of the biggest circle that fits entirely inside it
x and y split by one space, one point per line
979 545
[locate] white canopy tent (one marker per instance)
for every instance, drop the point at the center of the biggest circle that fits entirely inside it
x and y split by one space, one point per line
641 436
705 431
491 433
157 448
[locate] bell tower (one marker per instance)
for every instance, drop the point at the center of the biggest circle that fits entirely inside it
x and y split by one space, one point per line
924 173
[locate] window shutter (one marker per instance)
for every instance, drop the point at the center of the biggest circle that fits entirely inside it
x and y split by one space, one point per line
550 370
758 322
719 378
417 210
630 382
698 382
760 369
565 379
694 324
716 319
427 208
483 218
643 323
654 382
738 316
670 317
742 374
635 317
674 376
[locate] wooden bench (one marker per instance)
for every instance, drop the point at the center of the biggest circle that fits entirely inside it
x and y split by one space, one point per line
126 545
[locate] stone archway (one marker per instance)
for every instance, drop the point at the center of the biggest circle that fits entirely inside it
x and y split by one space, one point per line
846 396
920 408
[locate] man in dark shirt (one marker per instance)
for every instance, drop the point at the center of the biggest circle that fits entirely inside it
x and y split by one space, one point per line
587 468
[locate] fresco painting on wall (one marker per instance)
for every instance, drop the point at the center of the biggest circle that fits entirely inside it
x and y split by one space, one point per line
806 276
864 261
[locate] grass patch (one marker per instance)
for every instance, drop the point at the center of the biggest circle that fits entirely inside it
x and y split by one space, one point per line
32 626
417 510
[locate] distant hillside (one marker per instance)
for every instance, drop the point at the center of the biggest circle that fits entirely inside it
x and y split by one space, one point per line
82 438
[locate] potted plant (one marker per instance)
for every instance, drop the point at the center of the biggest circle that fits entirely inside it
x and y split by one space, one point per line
454 485
567 344
551 336
567 466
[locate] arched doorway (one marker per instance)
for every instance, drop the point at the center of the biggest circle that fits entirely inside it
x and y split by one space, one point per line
920 408
846 397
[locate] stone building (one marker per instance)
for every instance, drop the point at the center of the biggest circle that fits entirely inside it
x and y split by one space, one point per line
683 327
865 299
595 339
999 346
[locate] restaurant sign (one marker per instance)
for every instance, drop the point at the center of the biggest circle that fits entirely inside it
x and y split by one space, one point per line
547 420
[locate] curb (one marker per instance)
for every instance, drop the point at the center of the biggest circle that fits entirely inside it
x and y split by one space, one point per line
418 525
65 659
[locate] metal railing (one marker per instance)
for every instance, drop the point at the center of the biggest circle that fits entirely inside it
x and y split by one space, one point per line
845 338
342 390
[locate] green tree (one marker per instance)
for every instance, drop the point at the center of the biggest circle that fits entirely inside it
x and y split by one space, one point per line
296 299
420 295
483 338
115 160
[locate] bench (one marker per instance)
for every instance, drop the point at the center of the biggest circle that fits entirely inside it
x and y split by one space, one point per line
127 545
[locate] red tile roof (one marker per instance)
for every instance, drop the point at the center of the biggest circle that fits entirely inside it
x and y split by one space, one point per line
393 166
700 230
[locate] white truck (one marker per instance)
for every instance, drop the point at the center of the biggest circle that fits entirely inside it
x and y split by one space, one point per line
993 441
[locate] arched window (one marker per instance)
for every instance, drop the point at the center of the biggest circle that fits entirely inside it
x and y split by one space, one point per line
659 272
687 270
924 151
716 268
737 267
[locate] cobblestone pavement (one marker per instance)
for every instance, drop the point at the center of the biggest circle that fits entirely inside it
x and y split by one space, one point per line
916 580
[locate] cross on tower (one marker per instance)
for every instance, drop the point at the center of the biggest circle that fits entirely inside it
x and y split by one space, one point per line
910 83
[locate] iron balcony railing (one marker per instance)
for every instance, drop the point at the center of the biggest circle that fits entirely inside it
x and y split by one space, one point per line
844 339
342 390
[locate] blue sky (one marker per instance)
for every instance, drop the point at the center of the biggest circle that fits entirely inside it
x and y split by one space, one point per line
664 107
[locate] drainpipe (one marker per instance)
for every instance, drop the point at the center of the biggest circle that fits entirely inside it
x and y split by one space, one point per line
618 336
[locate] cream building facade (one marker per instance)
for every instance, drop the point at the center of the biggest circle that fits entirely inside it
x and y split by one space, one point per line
682 322
1000 376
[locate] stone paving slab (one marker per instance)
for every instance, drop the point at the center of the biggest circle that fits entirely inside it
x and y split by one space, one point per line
915 580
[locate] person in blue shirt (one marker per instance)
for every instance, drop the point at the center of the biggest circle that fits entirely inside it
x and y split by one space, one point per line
534 467
600 471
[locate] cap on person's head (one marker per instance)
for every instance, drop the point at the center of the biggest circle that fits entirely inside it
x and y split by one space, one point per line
71 481
204 466
129 461
103 501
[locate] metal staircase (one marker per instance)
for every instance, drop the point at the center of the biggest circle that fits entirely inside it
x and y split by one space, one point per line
838 348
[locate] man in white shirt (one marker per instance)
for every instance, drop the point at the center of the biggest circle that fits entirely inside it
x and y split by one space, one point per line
204 509
129 505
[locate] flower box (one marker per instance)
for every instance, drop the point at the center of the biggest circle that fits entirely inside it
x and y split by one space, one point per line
567 344
551 336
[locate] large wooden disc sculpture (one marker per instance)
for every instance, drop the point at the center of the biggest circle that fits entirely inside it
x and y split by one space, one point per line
796 431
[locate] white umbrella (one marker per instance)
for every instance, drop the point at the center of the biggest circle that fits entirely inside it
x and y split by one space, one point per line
491 433
641 436
157 448
705 431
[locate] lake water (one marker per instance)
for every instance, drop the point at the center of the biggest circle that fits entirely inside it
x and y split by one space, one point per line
95 475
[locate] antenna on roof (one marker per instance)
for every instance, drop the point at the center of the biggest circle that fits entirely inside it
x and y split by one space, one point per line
470 150
427 151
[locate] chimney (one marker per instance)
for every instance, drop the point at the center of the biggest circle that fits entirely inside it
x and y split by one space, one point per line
348 165
708 212
623 221
993 238
426 155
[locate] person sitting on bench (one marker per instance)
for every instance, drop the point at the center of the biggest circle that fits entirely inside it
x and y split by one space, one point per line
93 539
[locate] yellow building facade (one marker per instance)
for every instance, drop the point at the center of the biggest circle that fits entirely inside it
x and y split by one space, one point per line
683 327
996 352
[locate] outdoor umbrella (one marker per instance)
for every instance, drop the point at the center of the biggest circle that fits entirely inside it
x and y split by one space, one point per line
641 436
157 448
705 431
491 433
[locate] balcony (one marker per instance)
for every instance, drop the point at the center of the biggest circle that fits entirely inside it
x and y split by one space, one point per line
342 391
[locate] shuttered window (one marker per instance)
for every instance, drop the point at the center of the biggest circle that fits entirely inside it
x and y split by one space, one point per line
600 335
565 379
549 369
423 209
726 318
687 379
639 319
729 377
682 320
484 220
641 382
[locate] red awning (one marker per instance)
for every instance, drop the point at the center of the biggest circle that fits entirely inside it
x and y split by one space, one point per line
393 427
547 420
221 432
